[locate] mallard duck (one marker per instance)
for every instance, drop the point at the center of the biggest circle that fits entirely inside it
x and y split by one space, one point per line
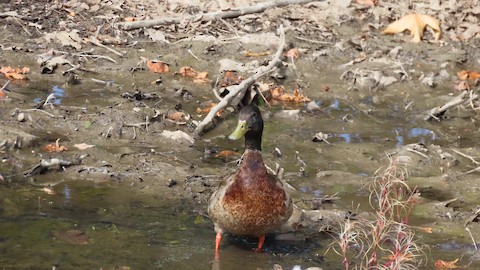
251 201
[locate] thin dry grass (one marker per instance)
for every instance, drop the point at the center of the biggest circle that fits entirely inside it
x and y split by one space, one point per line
387 242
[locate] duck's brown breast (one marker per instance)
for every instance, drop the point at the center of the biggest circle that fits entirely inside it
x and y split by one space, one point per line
255 202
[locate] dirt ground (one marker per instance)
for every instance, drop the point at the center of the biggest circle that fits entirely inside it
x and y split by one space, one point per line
122 123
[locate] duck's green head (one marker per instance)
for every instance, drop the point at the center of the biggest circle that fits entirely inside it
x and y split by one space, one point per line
250 125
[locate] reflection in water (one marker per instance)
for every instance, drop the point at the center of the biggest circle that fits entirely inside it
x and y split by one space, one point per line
422 135
349 138
66 194
58 92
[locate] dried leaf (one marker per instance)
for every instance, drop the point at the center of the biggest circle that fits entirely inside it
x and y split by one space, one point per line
439 264
406 258
73 237
461 86
202 77
83 146
416 24
157 66
3 94
279 94
467 74
252 54
226 154
187 72
231 77
15 73
55 147
207 108
65 38
292 53
176 116
425 229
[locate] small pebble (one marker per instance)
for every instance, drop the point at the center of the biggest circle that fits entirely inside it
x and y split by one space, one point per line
21 117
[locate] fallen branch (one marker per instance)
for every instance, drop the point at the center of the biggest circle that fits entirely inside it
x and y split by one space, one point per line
235 90
437 112
212 16
96 42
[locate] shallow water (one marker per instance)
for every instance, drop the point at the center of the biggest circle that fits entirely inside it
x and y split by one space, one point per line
123 229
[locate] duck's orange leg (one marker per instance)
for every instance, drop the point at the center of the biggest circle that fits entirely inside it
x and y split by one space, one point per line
218 239
261 239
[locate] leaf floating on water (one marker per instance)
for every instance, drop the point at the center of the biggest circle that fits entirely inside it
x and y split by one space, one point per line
416 24
157 66
439 264
73 237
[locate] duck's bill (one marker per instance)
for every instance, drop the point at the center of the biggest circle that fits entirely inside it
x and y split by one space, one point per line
239 131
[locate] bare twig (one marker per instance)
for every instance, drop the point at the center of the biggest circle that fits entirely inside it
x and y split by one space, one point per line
194 56
229 26
95 41
5 85
466 156
38 110
244 85
436 112
212 16
471 237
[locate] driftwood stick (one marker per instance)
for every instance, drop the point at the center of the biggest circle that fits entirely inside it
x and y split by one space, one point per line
212 16
96 42
244 85
440 110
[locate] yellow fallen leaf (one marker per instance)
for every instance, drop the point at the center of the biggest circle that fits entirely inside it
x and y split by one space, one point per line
416 24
